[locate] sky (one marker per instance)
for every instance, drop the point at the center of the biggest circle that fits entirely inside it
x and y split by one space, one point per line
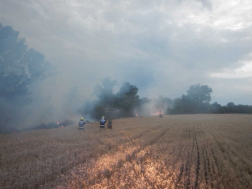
161 46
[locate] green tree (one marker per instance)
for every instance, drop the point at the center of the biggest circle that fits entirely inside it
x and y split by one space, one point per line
104 92
105 99
216 108
127 99
196 101
199 93
231 107
20 68
178 107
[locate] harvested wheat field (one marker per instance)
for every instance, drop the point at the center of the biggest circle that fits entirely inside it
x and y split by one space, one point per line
179 151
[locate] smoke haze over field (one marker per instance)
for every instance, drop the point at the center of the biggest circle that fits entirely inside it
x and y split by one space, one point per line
162 47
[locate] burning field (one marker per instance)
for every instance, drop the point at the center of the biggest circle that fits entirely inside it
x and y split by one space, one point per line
180 151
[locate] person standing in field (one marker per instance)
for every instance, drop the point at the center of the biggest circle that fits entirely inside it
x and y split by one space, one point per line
102 122
81 123
110 124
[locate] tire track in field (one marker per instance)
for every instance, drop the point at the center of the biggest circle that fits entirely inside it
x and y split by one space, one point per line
116 148
147 154
196 145
226 154
207 167
173 177
130 157
173 168
134 137
130 142
221 165
192 157
188 169
182 178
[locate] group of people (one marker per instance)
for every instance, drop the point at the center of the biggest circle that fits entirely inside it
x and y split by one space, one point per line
102 123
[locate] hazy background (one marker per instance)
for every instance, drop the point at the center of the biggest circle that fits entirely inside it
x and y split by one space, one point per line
162 47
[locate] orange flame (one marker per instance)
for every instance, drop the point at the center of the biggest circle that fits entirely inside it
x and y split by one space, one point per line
157 113
58 123
136 115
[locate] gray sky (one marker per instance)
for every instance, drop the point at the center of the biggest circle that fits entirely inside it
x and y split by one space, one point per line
161 46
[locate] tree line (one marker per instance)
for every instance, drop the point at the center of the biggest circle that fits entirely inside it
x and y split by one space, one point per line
126 100
196 101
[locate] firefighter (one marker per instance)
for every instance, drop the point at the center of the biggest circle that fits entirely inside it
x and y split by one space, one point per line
81 123
102 122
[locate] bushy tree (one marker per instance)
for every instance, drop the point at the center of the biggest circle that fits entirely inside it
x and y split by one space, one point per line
199 93
20 68
196 101
105 99
104 92
216 108
231 107
178 107
144 100
127 99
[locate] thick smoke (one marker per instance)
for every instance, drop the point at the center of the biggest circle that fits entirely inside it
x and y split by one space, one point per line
154 107
28 94
160 47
